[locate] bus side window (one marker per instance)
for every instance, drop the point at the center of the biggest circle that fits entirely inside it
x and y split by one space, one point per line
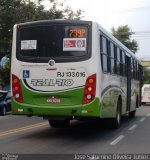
121 62
112 55
115 58
124 63
104 54
137 71
118 61
109 56
132 68
135 66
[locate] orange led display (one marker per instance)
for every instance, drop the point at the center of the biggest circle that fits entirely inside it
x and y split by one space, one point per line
76 33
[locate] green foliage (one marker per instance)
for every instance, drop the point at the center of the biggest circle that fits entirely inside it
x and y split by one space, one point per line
146 76
18 11
5 74
123 34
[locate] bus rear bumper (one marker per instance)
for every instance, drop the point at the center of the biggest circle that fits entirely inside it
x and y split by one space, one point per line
87 110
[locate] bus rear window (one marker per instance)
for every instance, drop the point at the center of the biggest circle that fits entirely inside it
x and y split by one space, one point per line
60 42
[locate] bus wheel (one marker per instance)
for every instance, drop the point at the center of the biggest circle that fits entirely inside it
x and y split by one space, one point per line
59 123
132 114
115 123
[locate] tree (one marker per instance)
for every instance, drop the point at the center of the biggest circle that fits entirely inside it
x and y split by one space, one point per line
19 11
5 71
123 34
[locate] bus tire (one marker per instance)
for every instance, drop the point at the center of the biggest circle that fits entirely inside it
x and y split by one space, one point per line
132 114
137 102
115 122
59 123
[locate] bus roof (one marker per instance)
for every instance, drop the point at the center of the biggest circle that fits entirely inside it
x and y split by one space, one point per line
55 20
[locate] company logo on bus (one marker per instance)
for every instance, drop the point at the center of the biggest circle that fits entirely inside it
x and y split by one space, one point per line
51 62
52 82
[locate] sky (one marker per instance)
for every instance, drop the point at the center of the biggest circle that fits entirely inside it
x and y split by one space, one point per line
113 13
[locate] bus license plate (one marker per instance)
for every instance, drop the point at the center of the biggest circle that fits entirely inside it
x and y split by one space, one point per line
53 100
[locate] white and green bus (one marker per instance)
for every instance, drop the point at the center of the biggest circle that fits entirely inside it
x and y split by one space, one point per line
68 69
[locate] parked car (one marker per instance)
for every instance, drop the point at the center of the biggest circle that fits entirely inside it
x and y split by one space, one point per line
5 102
8 101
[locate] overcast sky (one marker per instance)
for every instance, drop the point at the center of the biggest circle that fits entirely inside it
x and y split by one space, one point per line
112 13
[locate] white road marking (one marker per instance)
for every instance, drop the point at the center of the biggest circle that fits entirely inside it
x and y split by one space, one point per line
117 140
148 115
133 127
142 119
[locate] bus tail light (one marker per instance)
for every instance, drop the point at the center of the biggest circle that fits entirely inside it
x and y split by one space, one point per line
90 89
16 89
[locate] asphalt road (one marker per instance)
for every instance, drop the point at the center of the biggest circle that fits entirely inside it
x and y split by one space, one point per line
32 135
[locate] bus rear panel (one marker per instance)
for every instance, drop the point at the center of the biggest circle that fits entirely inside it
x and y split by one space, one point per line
68 69
51 74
